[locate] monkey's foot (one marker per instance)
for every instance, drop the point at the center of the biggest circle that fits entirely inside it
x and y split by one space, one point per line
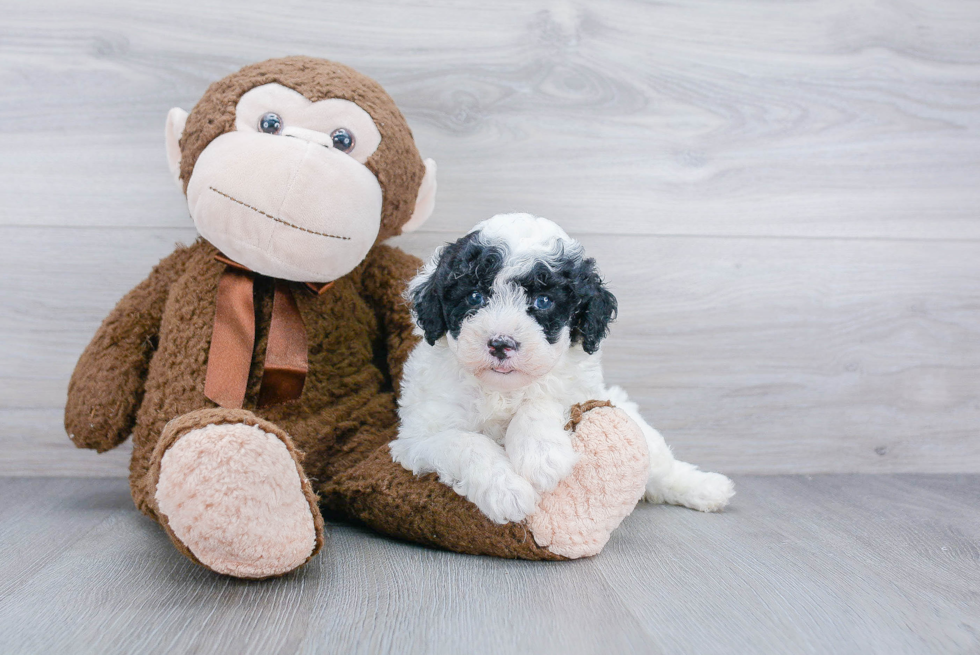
576 519
233 497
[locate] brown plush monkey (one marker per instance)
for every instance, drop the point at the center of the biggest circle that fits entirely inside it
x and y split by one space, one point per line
257 370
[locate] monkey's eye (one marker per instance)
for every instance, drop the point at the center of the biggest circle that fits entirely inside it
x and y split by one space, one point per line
270 123
343 140
475 299
543 303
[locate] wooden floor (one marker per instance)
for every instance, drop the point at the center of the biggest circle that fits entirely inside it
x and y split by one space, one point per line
824 564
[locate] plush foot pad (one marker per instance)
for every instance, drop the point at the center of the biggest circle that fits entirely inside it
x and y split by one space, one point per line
576 519
232 494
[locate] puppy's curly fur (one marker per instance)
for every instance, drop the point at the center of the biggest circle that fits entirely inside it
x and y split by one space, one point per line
512 315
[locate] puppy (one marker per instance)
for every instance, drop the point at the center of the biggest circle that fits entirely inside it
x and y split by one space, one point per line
512 315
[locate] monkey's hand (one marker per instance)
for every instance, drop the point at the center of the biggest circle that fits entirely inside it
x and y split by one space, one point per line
107 386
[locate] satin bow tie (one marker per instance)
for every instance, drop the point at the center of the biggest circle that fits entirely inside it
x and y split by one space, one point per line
233 341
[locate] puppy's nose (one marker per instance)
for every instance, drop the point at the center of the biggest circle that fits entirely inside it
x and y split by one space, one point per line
502 347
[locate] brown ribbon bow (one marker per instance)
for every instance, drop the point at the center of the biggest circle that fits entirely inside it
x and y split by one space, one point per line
233 341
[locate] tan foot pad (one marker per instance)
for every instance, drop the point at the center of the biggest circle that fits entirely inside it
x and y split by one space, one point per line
233 496
576 519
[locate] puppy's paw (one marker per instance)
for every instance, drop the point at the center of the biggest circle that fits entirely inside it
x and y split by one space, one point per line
712 493
504 496
545 464
401 453
687 486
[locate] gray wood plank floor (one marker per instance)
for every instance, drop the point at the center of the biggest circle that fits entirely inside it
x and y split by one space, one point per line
824 564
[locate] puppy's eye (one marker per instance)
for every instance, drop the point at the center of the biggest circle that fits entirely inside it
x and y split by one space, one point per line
343 140
475 299
270 123
543 302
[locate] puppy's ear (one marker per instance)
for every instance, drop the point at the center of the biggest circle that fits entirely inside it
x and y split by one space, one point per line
596 307
426 300
427 290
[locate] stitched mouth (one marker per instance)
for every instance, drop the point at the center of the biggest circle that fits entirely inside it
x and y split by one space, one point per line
277 219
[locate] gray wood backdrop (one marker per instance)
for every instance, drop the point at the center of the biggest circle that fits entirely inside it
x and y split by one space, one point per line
784 196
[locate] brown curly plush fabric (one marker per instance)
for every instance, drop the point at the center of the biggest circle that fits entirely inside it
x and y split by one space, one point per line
578 411
393 501
396 163
144 371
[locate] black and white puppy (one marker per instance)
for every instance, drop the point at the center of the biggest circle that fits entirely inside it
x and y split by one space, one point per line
512 315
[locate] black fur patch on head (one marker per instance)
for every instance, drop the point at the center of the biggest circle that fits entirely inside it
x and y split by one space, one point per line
579 300
442 302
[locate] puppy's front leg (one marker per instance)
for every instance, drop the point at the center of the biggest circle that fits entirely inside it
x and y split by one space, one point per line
474 466
538 445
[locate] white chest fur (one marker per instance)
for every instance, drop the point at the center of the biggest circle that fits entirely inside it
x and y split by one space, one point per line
438 394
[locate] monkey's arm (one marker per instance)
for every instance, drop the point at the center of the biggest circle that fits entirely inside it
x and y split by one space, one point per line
385 277
107 386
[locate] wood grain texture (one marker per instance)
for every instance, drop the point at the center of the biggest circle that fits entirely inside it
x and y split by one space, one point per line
826 564
783 195
712 117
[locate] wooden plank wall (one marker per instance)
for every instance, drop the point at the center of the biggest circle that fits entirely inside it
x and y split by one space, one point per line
784 196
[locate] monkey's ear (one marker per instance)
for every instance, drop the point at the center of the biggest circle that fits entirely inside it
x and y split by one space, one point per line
425 201
176 119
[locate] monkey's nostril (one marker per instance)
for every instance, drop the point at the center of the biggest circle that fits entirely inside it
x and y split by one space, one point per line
502 347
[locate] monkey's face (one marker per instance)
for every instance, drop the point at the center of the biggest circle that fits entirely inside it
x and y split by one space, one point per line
287 193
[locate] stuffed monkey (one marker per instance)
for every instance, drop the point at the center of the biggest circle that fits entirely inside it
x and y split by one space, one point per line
257 370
